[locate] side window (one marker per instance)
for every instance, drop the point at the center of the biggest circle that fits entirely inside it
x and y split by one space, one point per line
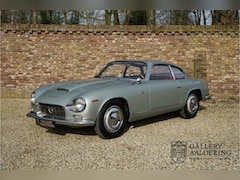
160 72
133 71
178 73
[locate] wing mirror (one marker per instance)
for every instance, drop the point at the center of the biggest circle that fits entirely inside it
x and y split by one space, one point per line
138 80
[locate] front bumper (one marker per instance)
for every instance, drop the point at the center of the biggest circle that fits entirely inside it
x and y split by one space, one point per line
73 122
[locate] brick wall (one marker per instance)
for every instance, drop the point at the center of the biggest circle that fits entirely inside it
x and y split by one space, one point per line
35 55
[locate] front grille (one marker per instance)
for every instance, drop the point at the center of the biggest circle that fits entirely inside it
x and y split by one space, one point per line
53 111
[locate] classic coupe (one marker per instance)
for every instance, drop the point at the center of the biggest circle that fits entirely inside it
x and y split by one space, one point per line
123 92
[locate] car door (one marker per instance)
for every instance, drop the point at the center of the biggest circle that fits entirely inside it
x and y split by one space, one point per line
138 91
139 98
164 90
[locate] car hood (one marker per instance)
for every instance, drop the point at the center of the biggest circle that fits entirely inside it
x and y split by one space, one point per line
64 92
81 85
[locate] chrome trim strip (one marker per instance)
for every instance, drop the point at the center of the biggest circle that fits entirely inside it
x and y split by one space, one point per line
173 75
71 122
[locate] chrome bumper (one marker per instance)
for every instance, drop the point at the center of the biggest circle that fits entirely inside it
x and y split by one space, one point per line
75 123
207 97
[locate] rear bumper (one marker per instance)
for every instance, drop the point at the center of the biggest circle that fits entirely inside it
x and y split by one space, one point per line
71 122
207 97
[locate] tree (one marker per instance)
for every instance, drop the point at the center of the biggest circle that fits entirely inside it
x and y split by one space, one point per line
64 16
116 17
200 17
34 17
50 17
150 17
180 17
5 16
225 17
45 17
204 17
85 17
75 17
108 15
12 16
127 17
140 17
197 17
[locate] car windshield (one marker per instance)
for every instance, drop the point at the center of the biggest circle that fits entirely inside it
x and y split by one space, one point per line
132 70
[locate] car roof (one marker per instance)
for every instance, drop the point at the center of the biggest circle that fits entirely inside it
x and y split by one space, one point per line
149 62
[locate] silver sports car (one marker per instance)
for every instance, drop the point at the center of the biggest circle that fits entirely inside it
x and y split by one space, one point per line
123 92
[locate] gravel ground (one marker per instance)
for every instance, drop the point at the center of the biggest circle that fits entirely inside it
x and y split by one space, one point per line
212 142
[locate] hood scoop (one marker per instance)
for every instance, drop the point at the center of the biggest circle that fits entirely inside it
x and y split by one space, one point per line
62 89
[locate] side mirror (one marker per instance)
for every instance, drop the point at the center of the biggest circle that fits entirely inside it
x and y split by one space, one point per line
138 80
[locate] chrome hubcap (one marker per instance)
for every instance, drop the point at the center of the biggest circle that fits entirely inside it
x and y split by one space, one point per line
192 104
113 119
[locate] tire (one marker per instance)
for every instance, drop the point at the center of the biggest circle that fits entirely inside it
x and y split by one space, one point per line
37 122
111 120
191 107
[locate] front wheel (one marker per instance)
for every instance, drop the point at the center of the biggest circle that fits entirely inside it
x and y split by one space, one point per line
111 120
191 107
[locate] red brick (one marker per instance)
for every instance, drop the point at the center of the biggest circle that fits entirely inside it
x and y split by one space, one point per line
40 54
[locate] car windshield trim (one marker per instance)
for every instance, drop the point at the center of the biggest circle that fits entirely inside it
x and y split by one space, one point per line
121 69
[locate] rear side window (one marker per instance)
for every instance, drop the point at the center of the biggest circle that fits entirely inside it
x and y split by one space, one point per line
178 73
160 72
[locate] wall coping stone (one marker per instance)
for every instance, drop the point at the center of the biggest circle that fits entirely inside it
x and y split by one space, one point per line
118 29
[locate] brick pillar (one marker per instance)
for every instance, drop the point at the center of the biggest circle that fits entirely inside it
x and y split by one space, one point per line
200 68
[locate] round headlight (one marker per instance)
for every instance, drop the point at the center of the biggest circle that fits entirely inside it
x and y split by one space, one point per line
33 98
79 104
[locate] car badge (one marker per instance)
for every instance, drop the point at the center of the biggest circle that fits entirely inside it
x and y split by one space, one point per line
50 109
178 151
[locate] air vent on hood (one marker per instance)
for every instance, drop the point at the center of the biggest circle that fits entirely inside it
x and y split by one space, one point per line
62 89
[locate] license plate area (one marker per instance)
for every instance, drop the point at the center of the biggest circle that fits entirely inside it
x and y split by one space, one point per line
44 123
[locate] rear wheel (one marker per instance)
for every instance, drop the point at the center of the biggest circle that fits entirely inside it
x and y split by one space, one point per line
111 120
191 107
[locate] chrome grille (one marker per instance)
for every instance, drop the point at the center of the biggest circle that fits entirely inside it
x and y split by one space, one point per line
53 111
